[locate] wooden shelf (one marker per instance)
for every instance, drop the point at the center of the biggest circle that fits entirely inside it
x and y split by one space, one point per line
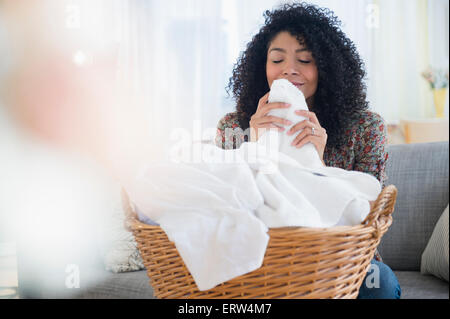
425 130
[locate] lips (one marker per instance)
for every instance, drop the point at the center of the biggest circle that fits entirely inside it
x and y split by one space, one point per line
298 84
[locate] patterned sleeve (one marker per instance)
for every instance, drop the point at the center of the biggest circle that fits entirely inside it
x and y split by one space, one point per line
229 133
371 154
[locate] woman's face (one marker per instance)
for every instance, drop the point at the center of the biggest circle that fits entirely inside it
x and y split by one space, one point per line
290 60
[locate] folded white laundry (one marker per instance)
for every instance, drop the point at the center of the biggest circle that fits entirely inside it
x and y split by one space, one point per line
217 212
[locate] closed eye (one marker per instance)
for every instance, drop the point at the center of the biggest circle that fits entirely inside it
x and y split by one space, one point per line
301 61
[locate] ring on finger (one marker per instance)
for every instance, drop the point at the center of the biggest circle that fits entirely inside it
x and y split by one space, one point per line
313 131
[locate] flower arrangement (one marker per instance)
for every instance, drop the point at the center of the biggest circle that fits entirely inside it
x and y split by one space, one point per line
437 78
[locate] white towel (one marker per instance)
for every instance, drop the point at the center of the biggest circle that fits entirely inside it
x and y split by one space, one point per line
217 212
284 91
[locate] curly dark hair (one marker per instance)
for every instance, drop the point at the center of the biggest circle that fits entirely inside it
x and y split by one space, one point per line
341 92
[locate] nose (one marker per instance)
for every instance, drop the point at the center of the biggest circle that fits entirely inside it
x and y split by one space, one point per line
290 69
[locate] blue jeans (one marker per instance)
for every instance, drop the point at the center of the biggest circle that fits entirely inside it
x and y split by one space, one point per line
380 283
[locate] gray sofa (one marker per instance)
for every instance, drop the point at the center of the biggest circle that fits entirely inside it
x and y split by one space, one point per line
421 174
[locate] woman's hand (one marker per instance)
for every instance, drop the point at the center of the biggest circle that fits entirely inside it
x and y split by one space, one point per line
312 132
260 121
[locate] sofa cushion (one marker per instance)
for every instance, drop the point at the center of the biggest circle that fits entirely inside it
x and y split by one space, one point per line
417 286
126 285
420 173
435 256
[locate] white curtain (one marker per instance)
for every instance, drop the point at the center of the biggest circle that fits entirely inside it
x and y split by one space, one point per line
438 32
174 54
401 49
438 44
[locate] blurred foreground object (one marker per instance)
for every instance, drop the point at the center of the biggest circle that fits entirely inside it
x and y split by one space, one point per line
66 87
69 131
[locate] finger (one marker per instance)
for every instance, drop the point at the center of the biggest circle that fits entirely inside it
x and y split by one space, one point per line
274 119
308 114
309 139
264 99
299 126
305 133
299 137
276 105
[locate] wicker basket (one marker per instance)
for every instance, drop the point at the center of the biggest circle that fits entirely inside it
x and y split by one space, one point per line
299 262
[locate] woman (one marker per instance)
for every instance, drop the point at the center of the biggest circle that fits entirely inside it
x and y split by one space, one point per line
304 44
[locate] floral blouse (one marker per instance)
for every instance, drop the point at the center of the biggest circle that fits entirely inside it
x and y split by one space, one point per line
364 150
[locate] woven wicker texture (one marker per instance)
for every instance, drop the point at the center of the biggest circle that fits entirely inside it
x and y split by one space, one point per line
299 262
